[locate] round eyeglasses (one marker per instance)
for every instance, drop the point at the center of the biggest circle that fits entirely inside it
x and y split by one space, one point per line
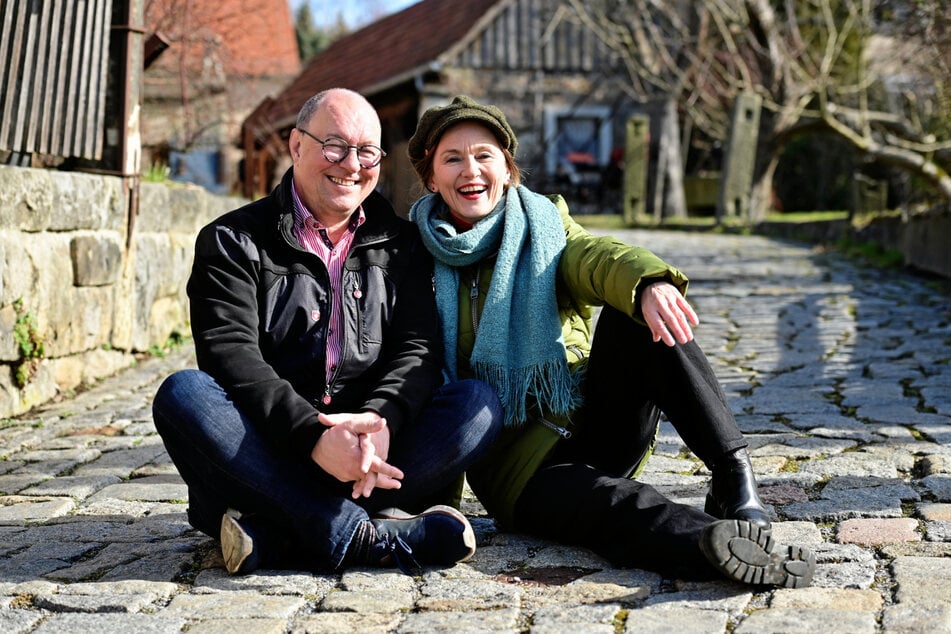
335 150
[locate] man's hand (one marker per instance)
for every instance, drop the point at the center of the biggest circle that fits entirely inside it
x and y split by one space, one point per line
376 449
354 449
667 314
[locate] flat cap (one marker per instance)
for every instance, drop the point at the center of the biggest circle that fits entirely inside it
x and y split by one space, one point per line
437 119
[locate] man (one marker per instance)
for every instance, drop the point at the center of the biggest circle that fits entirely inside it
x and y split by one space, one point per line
318 405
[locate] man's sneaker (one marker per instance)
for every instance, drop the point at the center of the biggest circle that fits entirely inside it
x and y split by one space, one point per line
439 536
237 545
746 553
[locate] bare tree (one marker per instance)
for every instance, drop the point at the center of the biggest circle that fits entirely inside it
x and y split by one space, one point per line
817 64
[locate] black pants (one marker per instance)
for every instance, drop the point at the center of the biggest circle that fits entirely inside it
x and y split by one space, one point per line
583 494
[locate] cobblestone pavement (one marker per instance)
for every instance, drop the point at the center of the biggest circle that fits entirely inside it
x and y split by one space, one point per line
838 374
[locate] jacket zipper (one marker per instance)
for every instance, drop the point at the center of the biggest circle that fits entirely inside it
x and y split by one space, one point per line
474 300
356 293
327 398
561 431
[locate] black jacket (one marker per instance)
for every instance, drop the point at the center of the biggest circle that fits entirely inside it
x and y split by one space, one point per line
260 306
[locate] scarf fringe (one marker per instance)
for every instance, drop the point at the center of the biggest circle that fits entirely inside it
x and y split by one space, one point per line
549 383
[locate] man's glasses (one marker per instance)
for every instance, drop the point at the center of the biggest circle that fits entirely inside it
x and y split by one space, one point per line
335 150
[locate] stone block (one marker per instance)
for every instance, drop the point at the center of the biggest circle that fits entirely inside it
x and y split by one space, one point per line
923 581
167 316
9 394
78 319
87 367
153 214
86 202
187 208
151 267
26 198
20 263
818 620
179 208
8 346
96 258
917 618
874 532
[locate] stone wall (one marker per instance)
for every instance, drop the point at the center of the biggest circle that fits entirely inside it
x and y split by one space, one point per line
94 298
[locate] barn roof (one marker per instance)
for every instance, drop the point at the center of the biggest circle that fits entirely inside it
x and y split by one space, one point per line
386 52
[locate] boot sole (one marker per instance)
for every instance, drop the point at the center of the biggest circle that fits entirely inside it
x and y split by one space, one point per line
236 545
468 536
746 553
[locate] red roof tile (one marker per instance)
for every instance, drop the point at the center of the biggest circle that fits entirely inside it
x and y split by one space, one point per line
247 37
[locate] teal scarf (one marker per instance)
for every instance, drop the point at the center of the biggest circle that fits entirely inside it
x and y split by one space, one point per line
519 348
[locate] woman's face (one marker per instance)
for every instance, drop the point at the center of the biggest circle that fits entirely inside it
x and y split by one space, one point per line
469 171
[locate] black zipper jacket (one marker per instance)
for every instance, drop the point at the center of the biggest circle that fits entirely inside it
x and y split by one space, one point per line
260 307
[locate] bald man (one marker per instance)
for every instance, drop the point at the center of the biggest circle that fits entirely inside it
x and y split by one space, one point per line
317 432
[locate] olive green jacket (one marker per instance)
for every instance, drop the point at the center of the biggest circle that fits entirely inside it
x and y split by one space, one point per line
593 271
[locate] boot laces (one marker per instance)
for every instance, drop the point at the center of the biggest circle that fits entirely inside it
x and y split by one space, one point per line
394 548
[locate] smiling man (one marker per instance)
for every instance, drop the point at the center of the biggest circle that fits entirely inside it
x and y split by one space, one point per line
319 406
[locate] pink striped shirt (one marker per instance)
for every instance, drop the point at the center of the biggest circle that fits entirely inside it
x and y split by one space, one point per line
313 237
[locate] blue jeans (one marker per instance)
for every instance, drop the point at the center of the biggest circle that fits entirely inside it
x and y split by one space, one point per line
226 463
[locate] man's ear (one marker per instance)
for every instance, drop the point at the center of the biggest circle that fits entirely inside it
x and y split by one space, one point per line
293 144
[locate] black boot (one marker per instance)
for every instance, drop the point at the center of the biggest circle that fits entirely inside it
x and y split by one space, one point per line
746 553
733 493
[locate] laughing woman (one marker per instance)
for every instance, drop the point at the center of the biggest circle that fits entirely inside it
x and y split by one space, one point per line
516 279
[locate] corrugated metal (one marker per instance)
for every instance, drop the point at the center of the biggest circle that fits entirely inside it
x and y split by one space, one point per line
54 56
535 35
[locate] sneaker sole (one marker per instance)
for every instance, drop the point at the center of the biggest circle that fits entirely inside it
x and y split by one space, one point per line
236 545
468 536
746 553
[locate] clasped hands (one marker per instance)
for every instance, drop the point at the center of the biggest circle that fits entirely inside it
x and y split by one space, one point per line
354 448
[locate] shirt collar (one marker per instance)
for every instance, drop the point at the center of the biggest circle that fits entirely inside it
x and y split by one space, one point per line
304 219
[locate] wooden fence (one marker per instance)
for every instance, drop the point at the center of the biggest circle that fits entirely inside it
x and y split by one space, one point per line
54 58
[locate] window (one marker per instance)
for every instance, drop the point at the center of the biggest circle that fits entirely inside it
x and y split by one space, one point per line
579 141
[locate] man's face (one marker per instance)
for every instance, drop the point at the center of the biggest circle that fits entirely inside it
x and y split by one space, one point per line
332 191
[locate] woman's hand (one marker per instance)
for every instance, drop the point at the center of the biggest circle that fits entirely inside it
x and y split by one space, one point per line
667 313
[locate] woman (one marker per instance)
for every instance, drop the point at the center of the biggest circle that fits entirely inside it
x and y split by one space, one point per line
516 279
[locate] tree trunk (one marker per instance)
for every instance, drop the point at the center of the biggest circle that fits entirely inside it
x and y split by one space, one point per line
761 193
669 197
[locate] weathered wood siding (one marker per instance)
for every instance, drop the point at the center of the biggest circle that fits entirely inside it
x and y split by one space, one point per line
54 57
533 35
